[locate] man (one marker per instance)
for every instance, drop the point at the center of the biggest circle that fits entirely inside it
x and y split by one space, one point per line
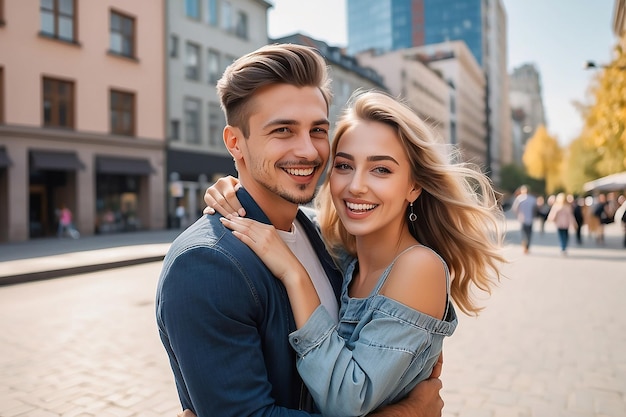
525 207
224 320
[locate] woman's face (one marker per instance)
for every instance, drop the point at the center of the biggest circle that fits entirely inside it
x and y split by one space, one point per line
370 181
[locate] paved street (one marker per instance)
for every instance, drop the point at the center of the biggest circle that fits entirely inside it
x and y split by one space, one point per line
551 341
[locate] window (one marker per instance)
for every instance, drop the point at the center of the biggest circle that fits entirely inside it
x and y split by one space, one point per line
173 46
213 66
192 63
210 12
192 120
58 19
192 9
122 35
228 59
175 129
227 16
58 103
241 25
122 113
216 124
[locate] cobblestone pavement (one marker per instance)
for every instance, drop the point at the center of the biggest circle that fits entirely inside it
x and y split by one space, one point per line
551 342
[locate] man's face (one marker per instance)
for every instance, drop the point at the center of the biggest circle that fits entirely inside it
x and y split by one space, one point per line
288 145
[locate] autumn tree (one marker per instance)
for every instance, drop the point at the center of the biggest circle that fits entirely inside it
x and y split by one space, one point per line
542 159
603 137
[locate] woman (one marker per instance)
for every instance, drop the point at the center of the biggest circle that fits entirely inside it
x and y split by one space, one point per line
410 230
562 215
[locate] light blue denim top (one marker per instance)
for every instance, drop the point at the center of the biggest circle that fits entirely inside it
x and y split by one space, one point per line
376 354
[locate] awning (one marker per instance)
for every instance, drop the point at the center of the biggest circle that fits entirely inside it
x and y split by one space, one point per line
55 161
4 158
613 182
123 166
189 165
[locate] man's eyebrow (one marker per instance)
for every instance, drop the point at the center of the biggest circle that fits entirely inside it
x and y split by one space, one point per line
292 122
373 158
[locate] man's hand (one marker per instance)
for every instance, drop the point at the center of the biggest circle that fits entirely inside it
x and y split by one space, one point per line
221 197
186 413
423 401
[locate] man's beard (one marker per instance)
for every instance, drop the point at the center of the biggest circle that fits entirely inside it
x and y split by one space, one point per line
293 199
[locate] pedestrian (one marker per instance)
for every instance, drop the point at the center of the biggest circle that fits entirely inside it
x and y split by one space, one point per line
579 215
66 226
602 216
180 216
543 208
223 318
620 214
393 205
562 215
525 208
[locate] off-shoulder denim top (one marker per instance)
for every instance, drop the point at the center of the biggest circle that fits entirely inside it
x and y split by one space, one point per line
376 354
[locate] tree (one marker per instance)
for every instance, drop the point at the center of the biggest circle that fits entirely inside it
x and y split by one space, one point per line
542 159
604 130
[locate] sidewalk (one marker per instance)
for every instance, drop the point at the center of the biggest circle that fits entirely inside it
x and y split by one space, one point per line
47 258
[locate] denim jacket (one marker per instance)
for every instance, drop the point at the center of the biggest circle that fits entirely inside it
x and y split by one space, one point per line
379 351
224 321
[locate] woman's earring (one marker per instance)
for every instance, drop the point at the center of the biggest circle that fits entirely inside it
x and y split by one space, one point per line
412 216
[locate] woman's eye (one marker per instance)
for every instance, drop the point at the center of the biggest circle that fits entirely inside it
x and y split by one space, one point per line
382 170
342 166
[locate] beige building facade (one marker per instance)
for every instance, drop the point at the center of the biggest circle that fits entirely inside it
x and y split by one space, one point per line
81 116
426 92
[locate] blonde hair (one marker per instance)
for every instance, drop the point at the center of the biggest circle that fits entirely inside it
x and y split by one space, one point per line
457 211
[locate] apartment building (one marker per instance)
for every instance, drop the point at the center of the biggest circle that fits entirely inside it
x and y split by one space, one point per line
204 37
81 116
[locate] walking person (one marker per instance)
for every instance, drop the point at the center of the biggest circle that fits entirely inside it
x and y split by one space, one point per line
223 317
562 215
525 208
66 226
579 215
391 205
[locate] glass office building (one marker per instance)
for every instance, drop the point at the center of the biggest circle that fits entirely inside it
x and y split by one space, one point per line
388 25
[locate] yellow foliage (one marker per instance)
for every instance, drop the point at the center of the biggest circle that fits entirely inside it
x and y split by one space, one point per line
542 159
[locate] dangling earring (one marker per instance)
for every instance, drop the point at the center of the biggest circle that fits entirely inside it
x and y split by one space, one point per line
412 216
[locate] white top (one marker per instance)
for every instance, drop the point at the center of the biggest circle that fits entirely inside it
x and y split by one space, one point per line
301 247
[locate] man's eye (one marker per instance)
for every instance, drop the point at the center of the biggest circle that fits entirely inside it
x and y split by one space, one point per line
281 130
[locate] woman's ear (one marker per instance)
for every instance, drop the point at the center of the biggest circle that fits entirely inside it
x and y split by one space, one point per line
232 137
414 193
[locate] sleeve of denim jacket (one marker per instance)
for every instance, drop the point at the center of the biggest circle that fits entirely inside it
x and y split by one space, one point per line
346 382
208 308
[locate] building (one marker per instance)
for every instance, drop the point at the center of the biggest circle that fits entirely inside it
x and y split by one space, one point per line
527 110
346 74
204 36
481 24
81 116
409 78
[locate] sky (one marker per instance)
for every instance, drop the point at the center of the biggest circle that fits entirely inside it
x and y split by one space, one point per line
558 36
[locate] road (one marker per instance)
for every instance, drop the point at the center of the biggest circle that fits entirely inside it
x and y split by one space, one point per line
550 342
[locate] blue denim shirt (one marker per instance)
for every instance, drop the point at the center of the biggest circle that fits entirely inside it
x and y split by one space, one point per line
224 321
376 354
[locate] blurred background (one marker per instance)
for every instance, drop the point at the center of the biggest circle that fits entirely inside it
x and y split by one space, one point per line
108 108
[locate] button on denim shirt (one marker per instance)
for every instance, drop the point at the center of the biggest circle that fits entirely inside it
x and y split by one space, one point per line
379 351
224 321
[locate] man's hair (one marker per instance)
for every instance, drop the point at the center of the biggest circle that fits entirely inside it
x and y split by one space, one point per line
296 65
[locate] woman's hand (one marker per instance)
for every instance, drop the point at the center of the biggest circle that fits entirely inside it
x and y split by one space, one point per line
221 197
264 240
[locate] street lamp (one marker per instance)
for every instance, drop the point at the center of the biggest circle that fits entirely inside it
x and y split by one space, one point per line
594 65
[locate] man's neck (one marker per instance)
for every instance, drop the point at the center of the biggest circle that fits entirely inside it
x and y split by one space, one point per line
279 211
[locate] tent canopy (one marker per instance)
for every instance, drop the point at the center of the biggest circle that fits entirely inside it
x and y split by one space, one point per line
613 182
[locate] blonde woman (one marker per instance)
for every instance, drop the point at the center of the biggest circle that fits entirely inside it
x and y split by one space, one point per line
412 231
562 215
